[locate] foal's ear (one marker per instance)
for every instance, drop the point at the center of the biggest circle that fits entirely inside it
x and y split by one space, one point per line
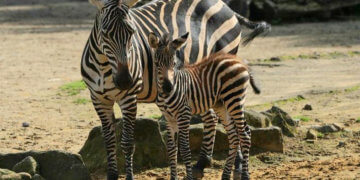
153 40
177 43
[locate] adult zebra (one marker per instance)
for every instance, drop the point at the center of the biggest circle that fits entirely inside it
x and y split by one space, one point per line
117 63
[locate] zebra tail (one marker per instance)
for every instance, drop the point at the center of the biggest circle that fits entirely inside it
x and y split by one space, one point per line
257 27
253 85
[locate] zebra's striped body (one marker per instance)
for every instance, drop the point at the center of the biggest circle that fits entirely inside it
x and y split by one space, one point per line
219 82
117 64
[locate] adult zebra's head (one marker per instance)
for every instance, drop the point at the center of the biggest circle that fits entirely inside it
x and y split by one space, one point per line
115 32
165 50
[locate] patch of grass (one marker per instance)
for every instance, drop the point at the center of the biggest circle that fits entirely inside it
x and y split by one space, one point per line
303 118
81 101
352 89
358 120
292 100
155 116
320 135
73 88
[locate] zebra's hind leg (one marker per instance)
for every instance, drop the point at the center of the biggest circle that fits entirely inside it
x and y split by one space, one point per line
239 159
183 122
233 138
209 119
106 115
128 108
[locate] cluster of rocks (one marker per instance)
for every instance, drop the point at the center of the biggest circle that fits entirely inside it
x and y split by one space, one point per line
318 131
150 151
33 165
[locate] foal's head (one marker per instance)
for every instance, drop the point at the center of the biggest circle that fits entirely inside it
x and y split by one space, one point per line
165 49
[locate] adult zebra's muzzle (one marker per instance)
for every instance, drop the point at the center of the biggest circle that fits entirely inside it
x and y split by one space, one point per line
122 78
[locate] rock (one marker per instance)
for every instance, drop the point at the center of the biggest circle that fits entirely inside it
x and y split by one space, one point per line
341 144
6 174
256 119
311 134
196 136
327 128
310 141
28 165
277 59
308 107
266 139
25 124
37 177
338 126
54 165
25 176
269 139
283 120
150 150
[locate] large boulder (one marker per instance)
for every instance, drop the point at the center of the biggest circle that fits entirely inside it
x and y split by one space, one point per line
265 139
257 119
150 150
283 120
54 165
6 174
268 139
28 165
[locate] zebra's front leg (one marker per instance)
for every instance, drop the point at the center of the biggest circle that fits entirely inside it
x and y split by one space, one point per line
183 122
106 115
209 119
128 108
171 146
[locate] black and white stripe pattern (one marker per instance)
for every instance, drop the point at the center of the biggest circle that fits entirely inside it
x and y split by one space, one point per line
117 63
218 83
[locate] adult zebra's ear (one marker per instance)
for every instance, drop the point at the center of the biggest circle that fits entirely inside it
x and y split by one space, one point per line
153 40
177 43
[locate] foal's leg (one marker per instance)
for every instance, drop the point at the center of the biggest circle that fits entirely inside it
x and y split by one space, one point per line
171 144
183 121
209 119
230 128
239 158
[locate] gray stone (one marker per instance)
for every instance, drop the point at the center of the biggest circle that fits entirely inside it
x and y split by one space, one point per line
6 174
269 139
150 150
28 165
54 165
37 177
256 119
327 128
266 139
307 107
283 120
25 176
311 134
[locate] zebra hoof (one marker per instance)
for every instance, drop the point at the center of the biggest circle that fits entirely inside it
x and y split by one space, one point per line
129 177
197 173
173 178
112 176
245 176
237 174
225 177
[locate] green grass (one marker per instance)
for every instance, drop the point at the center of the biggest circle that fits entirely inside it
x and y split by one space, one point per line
352 89
320 135
155 116
73 88
303 118
291 100
358 120
81 101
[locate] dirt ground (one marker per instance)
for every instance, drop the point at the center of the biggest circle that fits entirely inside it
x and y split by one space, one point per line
40 50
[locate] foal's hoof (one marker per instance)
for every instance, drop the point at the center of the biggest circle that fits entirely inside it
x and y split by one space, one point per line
129 177
237 174
245 176
112 176
197 173
173 178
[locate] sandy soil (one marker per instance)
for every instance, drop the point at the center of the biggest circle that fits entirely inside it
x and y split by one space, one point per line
40 50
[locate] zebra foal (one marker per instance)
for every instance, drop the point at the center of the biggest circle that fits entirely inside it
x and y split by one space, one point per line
218 82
